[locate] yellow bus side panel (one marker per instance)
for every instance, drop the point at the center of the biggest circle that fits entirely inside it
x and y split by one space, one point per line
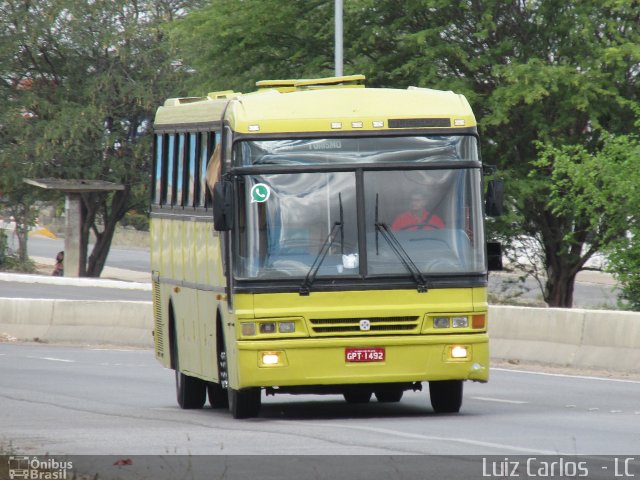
186 257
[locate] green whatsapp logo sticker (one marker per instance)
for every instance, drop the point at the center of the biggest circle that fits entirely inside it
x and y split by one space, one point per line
260 193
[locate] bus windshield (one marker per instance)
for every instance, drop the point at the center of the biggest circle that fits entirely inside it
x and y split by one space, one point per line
430 216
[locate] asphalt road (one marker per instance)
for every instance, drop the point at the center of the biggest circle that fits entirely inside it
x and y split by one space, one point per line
129 258
66 292
72 400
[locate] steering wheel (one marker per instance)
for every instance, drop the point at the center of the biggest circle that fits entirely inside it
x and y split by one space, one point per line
418 225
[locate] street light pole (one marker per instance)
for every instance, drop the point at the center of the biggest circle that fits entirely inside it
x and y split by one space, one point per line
338 57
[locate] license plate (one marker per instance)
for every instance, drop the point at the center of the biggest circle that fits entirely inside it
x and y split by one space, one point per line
364 354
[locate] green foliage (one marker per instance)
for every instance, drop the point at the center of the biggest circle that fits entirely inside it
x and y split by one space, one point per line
601 188
80 84
13 263
136 220
538 74
231 45
4 245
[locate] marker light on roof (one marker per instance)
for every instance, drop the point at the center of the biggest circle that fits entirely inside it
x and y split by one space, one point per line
459 122
336 125
378 124
254 128
356 124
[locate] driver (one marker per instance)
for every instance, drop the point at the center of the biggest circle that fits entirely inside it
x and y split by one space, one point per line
417 217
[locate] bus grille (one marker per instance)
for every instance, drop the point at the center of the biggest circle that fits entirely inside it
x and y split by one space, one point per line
377 325
157 317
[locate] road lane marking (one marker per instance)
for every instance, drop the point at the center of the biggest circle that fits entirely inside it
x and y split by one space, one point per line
466 441
127 350
53 359
132 365
500 400
565 375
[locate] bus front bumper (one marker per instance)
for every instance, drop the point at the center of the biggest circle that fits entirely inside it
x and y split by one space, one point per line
375 360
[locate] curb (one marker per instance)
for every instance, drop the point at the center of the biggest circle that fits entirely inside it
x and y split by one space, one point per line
73 281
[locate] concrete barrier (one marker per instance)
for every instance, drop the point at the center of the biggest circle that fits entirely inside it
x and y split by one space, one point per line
88 321
565 337
602 339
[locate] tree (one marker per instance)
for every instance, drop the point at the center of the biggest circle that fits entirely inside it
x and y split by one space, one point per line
16 198
537 73
80 83
602 187
231 45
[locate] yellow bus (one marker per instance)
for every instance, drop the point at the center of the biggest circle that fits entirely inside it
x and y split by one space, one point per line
317 236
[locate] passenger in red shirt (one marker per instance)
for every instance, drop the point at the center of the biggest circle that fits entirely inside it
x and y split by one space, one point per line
417 217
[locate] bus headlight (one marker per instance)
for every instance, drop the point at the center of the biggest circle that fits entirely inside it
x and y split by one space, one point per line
440 322
286 327
248 329
459 351
267 327
460 322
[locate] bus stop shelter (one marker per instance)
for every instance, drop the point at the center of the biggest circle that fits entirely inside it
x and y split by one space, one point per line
73 190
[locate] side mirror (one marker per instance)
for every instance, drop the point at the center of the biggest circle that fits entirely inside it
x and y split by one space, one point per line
223 206
494 256
495 198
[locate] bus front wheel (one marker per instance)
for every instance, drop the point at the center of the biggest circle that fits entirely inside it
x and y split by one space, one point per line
244 403
218 397
446 395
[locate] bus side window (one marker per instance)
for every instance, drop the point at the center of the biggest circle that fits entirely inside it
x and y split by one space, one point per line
190 182
179 178
167 170
206 144
213 173
158 160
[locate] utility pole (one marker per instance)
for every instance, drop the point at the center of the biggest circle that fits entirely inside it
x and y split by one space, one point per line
338 38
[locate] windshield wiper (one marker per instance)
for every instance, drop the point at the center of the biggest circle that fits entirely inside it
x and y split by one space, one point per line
305 288
400 252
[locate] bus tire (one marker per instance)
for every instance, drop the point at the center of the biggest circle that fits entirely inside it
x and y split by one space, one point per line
191 391
357 396
244 403
389 396
446 395
217 395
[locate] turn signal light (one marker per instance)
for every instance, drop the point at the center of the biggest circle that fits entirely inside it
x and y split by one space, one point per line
478 321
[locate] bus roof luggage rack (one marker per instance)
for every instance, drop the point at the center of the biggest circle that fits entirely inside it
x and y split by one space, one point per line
292 84
221 94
